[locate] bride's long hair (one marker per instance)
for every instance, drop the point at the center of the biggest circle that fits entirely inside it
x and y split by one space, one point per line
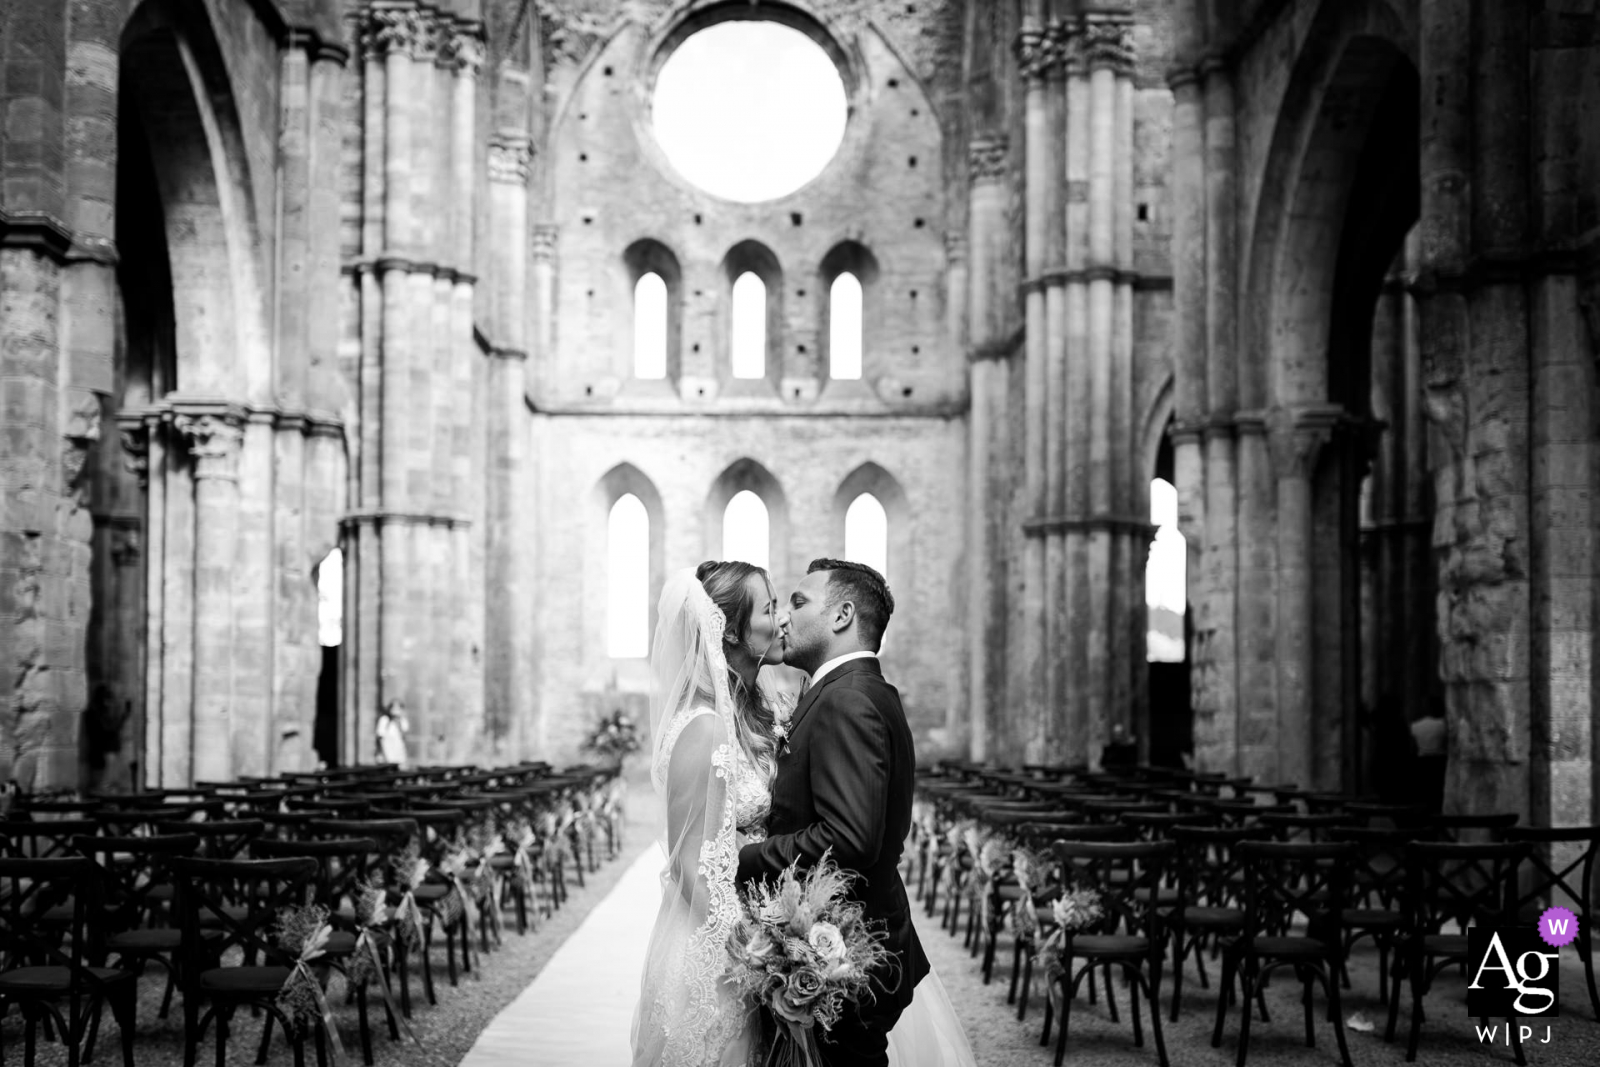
725 583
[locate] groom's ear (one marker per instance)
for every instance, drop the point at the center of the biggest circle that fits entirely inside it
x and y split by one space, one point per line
843 615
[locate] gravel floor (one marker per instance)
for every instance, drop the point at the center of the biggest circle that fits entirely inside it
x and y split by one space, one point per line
445 1031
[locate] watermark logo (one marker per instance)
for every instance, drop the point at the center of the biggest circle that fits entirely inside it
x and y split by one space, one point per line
1513 971
1558 927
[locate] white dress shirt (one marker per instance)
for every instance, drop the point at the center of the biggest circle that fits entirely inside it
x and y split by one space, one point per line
836 661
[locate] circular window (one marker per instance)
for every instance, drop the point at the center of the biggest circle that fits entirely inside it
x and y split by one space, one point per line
749 110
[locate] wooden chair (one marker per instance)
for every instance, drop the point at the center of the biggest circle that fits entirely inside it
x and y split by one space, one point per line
48 966
1553 884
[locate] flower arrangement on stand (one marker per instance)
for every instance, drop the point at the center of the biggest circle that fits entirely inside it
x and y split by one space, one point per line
613 737
804 951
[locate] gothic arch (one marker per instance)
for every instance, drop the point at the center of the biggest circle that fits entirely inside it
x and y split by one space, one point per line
176 85
872 478
1354 50
758 259
848 256
738 476
650 256
1153 433
616 483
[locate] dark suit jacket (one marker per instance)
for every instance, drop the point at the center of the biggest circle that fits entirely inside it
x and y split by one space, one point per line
846 784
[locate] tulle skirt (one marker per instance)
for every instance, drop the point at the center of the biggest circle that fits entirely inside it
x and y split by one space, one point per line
928 1034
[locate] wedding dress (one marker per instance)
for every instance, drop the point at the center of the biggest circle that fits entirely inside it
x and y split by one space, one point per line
718 798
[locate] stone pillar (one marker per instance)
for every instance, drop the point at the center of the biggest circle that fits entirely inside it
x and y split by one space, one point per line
1073 653
1036 57
1057 408
507 673
416 571
988 350
214 438
544 301
1297 439
1564 337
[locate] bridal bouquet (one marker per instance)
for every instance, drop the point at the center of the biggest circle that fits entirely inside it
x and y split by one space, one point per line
804 951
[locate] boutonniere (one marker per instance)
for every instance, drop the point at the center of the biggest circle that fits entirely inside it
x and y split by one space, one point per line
780 730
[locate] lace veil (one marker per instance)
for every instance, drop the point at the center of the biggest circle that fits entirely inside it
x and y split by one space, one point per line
686 1015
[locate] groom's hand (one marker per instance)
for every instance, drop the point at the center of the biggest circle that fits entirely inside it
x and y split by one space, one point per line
849 779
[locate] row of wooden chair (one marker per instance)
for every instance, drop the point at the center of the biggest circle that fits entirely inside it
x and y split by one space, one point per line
95 890
1267 877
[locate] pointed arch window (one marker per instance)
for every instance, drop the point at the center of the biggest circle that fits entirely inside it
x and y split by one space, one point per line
1165 577
844 327
628 579
749 339
866 533
330 599
650 326
746 529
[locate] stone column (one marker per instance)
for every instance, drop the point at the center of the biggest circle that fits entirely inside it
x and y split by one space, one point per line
1036 58
1057 413
214 438
507 676
544 301
987 350
1297 439
1564 336
1073 654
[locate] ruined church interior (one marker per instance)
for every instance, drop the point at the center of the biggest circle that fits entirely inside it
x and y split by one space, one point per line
1213 382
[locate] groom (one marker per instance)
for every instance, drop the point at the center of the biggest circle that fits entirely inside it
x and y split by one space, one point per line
844 782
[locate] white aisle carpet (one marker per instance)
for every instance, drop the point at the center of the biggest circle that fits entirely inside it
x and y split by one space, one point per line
578 1012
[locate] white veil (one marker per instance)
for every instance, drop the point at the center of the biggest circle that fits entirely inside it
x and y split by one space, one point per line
687 1016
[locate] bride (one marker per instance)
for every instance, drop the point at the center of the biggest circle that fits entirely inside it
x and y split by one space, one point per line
713 724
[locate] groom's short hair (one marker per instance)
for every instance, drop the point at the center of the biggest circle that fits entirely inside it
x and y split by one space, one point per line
863 587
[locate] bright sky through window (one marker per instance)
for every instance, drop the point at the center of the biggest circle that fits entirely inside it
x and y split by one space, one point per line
866 534
744 529
749 110
749 326
844 327
1165 577
628 579
650 327
330 599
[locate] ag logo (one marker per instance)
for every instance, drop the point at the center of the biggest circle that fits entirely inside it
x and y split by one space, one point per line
1513 973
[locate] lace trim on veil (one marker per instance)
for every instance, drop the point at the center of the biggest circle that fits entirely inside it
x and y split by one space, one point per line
704 1027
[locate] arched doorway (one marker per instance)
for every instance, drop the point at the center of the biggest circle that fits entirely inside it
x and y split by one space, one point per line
1171 721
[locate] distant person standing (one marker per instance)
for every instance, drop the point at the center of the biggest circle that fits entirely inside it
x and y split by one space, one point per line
1431 735
391 734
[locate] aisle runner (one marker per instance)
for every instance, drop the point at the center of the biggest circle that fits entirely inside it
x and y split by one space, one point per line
578 1012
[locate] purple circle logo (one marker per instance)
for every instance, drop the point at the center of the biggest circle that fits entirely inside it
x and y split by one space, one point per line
1558 926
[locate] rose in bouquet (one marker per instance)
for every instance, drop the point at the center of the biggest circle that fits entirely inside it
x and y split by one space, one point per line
803 950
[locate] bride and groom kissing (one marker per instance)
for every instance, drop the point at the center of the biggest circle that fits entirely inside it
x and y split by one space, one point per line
755 781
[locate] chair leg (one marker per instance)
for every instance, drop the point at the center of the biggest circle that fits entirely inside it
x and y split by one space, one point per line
1394 993
266 1040
366 1028
1247 992
1155 1018
1177 972
1418 989
1049 1016
1222 1000
1067 993
1337 1011
1016 970
1305 1004
1586 950
126 1012
1027 983
1111 997
1133 1011
222 1037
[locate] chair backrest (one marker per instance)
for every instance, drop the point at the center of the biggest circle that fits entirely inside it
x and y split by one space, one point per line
1466 884
1286 881
343 863
1379 872
1297 827
45 839
224 839
1208 864
28 888
1154 825
1560 860
241 899
132 867
1486 828
1118 871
